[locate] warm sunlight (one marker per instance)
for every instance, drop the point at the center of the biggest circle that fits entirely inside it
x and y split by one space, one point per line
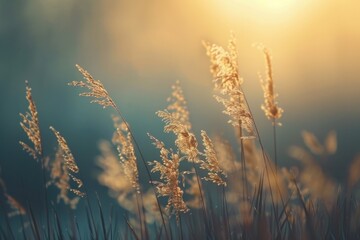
191 119
274 10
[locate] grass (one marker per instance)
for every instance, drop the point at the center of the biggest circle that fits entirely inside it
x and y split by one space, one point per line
200 189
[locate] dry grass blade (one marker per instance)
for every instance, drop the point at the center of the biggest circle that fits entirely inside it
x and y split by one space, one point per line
331 142
60 178
14 204
312 142
169 174
312 176
123 141
224 68
176 118
226 155
178 105
97 90
354 172
69 160
30 125
114 178
270 107
194 191
17 208
212 165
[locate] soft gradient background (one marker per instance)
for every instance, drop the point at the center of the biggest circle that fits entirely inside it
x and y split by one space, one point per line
138 49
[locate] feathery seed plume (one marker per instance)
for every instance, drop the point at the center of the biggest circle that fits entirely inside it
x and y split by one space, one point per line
60 177
30 125
176 118
331 142
114 178
123 141
97 90
312 142
270 107
215 173
169 174
225 70
69 161
17 208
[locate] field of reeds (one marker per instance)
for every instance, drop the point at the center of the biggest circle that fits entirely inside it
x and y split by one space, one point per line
200 187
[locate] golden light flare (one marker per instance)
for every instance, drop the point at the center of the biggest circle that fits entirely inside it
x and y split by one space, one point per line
263 10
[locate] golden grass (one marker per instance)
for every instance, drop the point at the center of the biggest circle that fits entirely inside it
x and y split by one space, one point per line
270 107
227 81
169 176
69 162
96 89
263 198
30 125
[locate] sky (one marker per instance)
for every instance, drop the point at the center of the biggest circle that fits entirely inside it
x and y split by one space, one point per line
138 49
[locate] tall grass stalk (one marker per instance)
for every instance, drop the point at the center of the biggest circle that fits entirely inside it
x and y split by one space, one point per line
102 97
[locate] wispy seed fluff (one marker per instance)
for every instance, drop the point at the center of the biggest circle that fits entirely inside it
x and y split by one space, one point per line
60 178
30 125
270 106
225 71
328 147
69 162
113 176
122 139
97 89
169 174
176 118
211 163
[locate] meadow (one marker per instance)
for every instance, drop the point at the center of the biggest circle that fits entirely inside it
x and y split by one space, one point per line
201 186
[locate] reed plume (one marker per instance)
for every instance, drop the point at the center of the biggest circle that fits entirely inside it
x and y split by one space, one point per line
176 118
214 172
328 147
169 174
30 125
16 207
225 71
354 172
312 177
312 143
60 178
123 141
226 155
274 184
69 162
270 107
96 89
113 176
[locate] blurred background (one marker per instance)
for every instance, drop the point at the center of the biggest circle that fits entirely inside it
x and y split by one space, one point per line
138 49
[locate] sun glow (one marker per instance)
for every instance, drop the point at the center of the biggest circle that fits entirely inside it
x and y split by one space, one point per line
264 10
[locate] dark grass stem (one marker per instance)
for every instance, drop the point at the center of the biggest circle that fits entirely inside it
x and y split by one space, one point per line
131 228
146 167
275 145
204 208
266 160
226 213
140 216
181 228
243 164
101 217
7 221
